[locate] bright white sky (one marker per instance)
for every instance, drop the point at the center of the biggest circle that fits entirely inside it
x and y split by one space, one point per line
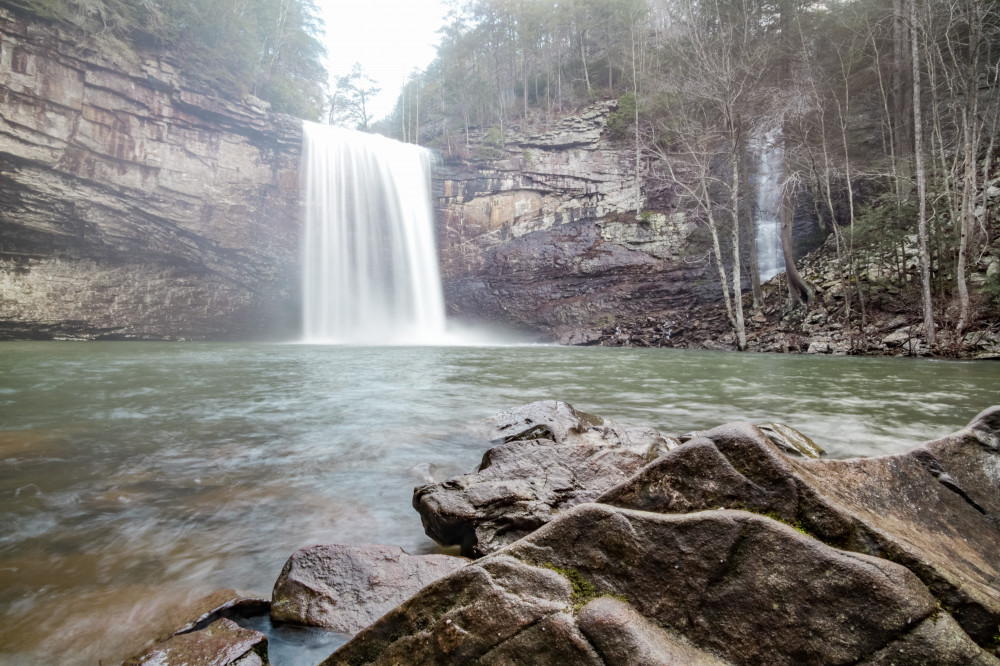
390 38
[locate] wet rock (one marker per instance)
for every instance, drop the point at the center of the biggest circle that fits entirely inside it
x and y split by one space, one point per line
791 441
223 643
934 509
820 347
346 588
740 587
552 457
622 636
582 336
202 612
463 616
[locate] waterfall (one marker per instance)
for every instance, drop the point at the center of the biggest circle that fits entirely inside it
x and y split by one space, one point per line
370 270
767 215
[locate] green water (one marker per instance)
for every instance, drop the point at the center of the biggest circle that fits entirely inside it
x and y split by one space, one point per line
135 476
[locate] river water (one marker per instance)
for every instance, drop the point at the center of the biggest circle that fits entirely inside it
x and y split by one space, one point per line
136 476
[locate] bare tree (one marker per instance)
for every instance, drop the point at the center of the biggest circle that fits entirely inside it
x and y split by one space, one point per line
351 99
918 151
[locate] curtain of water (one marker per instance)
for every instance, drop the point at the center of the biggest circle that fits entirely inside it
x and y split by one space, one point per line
767 183
370 268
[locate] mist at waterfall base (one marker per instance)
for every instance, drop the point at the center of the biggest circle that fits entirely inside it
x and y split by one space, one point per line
370 265
767 213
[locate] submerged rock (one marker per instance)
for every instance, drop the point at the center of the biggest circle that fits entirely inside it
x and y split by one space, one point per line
346 588
222 643
191 620
791 441
552 457
709 587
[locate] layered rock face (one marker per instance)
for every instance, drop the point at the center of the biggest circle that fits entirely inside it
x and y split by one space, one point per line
542 234
135 203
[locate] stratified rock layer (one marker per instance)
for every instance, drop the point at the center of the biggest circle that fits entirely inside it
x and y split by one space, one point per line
134 203
346 588
543 234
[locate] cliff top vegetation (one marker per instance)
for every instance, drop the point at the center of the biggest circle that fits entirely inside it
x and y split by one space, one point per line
267 48
883 114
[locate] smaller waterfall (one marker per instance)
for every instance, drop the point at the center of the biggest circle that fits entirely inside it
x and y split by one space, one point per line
370 268
767 216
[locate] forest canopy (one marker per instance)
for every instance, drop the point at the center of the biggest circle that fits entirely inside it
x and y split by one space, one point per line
886 115
267 48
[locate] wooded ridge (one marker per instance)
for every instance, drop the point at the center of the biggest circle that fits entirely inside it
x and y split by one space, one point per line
884 115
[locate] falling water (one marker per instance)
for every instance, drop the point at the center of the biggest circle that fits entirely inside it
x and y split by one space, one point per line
370 271
767 182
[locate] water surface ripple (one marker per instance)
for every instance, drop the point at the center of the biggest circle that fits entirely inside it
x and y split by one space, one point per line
135 476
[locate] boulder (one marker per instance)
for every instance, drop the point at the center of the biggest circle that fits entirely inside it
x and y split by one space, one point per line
551 457
622 636
346 588
934 510
607 585
466 615
898 337
222 643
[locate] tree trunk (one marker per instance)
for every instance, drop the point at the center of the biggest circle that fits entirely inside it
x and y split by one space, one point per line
918 151
902 92
750 224
741 332
638 155
799 291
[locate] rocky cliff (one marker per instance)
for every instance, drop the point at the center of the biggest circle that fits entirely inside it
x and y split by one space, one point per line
541 233
135 203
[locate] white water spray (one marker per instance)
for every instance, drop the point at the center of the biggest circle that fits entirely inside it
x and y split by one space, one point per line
767 217
370 268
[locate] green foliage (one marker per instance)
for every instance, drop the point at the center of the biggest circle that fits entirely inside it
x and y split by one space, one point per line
349 105
268 48
493 138
492 145
991 289
622 120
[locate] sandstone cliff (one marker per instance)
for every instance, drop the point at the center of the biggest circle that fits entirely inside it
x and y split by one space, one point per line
135 203
541 234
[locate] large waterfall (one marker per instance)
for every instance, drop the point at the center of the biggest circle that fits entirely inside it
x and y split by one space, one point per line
370 270
767 216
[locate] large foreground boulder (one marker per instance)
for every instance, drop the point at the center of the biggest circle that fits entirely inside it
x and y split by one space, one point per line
346 588
606 585
934 510
549 457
